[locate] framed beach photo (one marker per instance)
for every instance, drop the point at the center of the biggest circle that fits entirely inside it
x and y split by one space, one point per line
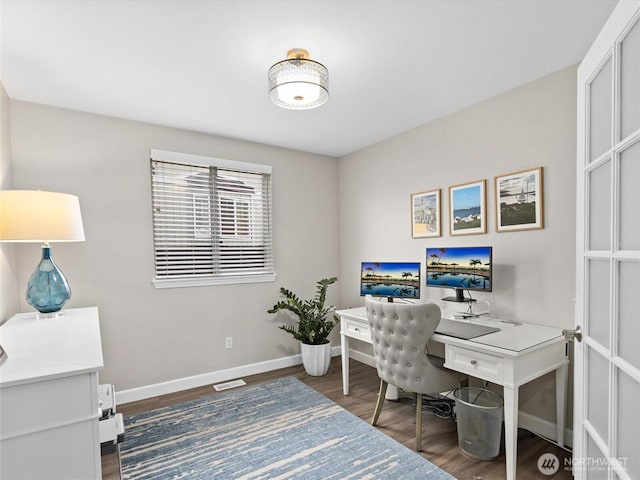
425 214
519 201
467 208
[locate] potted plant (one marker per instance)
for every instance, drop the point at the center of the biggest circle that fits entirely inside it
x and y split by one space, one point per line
312 328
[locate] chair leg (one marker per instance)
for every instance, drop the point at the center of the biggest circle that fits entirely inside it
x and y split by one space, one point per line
381 395
418 422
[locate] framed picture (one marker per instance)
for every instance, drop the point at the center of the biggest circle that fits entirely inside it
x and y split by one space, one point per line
468 208
519 201
425 214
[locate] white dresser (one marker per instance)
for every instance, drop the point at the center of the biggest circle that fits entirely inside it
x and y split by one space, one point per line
49 396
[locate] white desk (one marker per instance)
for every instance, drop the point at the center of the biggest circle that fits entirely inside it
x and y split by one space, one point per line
49 396
511 357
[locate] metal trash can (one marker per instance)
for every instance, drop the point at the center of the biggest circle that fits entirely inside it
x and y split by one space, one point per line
479 415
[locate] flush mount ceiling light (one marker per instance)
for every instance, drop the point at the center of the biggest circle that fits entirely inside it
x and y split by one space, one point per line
298 83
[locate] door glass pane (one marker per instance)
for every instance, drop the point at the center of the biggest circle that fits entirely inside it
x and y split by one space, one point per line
630 196
628 424
599 213
628 324
597 392
595 463
597 321
630 82
600 112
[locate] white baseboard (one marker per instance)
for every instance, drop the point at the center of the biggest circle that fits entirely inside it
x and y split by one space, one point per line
543 427
149 391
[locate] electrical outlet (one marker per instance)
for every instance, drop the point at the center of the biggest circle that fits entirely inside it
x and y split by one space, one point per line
228 342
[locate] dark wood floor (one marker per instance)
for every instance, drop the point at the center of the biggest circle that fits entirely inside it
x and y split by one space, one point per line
439 441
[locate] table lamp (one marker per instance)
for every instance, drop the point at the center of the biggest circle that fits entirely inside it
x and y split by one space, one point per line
37 216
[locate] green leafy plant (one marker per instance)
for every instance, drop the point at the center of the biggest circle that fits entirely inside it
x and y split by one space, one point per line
312 327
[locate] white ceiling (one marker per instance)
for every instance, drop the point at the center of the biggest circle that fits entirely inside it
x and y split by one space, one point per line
202 65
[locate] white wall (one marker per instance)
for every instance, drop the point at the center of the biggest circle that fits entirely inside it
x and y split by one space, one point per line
148 335
530 126
9 287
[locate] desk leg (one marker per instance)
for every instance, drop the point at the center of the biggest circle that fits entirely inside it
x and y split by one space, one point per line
561 394
511 429
344 351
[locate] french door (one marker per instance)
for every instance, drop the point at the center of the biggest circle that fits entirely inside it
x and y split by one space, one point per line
607 361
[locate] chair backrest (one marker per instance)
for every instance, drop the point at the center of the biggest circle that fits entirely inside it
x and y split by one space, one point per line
400 332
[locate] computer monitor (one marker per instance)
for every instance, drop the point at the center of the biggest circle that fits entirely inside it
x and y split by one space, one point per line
390 279
460 268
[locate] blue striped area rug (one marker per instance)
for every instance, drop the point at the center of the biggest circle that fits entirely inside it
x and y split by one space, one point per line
281 429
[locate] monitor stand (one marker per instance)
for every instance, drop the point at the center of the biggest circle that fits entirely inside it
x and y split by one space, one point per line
382 299
459 297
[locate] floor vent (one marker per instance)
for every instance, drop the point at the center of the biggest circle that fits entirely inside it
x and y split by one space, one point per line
227 385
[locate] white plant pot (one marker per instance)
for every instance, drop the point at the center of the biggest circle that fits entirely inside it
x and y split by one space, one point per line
316 358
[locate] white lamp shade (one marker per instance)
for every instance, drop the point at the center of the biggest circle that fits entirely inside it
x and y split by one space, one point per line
36 216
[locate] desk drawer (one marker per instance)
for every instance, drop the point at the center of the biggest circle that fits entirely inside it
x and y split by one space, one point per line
480 365
357 329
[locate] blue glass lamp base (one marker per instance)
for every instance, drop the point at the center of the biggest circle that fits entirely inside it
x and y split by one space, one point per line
47 290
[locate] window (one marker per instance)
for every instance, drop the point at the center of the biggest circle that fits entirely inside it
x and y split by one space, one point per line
211 220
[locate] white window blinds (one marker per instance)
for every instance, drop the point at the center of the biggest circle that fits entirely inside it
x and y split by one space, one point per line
211 220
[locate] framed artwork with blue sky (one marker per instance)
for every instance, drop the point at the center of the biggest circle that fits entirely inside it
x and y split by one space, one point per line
468 208
425 214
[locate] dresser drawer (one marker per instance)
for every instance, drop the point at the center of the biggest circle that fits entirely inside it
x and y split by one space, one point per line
356 329
40 406
476 364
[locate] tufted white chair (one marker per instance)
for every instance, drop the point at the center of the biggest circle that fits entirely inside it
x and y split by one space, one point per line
400 332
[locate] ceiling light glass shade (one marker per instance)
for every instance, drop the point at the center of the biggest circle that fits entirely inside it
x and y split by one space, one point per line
35 216
298 83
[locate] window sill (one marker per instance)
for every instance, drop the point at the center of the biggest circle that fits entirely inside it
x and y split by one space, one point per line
205 281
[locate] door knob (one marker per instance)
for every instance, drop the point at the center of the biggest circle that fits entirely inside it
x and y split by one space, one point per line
571 335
